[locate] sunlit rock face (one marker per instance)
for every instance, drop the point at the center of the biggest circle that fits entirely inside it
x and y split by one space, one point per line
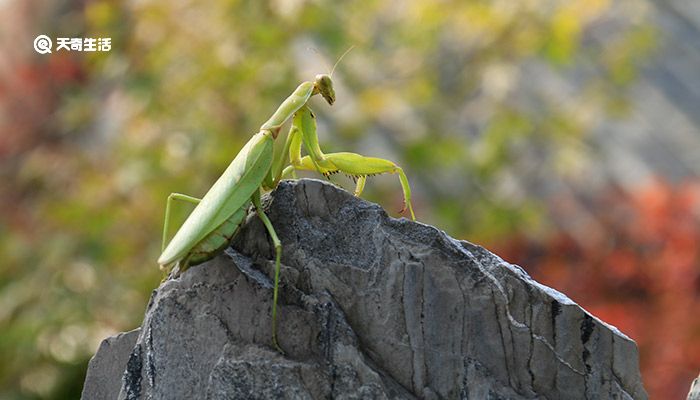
371 307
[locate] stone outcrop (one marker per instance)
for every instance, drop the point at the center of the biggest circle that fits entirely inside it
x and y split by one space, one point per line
371 307
694 393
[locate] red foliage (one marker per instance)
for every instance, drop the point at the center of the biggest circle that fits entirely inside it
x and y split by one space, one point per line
29 95
633 260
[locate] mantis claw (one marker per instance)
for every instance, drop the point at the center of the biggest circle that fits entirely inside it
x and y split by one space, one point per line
277 346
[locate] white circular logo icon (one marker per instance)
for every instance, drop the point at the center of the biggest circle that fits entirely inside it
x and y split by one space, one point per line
42 44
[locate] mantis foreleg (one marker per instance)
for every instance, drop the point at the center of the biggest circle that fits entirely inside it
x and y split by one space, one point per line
303 131
360 186
305 123
359 168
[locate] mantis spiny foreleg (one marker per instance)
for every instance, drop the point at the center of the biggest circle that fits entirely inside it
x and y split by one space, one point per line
360 167
357 166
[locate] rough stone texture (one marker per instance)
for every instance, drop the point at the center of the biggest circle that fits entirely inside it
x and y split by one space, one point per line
106 367
371 308
694 393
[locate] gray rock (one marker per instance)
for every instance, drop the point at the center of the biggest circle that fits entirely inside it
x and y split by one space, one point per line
104 373
371 308
694 393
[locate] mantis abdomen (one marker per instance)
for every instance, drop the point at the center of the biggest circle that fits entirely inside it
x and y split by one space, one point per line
218 239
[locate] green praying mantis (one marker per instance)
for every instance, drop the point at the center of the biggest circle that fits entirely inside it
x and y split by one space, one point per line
219 215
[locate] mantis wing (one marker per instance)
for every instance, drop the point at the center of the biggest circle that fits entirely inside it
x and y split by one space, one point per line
230 192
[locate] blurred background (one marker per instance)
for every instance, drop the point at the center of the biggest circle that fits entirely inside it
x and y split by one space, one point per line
562 134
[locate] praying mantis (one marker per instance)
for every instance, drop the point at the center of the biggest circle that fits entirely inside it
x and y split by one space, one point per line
218 216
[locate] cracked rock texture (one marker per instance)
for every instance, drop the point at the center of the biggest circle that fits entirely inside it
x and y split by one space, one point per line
694 393
371 308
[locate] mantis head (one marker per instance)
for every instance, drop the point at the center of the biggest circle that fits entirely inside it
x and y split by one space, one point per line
323 83
324 86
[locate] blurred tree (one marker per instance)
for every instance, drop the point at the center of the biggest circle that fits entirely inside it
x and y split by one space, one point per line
635 262
453 91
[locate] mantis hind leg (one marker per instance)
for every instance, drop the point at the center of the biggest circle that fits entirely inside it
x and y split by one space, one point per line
360 167
278 253
166 224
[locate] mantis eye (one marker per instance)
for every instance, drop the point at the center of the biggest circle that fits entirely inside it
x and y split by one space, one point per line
324 85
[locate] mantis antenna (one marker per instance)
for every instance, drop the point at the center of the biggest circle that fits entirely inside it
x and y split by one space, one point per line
337 62
340 59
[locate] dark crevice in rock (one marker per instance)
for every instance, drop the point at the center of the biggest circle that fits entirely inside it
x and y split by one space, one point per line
531 353
587 327
555 311
132 374
504 346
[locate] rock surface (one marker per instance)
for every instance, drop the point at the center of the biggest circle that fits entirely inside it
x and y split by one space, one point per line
103 378
371 308
694 393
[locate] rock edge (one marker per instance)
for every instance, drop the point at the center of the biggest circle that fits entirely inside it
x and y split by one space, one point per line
371 307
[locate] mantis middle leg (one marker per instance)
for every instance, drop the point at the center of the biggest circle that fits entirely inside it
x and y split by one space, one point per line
166 224
278 254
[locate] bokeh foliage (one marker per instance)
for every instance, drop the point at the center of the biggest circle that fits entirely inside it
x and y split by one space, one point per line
636 266
446 89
